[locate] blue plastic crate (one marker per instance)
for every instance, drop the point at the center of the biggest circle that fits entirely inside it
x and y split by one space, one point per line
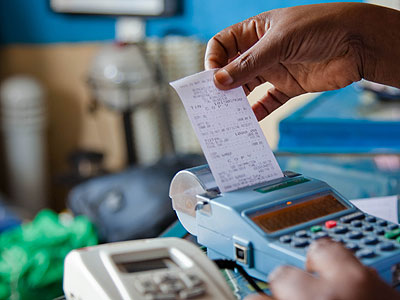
354 176
342 121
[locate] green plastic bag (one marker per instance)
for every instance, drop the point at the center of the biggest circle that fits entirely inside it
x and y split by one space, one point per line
32 255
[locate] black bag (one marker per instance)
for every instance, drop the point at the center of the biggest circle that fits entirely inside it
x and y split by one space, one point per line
133 204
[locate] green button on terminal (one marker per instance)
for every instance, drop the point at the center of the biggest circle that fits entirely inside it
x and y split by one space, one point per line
316 228
392 234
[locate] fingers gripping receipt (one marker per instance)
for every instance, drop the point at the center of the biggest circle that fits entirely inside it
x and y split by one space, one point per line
233 143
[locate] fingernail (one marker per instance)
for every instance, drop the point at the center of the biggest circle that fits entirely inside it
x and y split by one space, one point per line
223 77
320 243
275 274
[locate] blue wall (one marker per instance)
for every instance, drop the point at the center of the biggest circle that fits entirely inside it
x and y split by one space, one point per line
32 21
204 18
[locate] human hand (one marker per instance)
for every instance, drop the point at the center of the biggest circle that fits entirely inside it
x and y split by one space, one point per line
339 275
308 48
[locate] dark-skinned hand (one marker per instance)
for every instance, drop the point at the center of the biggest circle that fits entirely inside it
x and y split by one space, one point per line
309 48
332 273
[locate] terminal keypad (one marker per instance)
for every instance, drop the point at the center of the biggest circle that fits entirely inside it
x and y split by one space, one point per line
367 236
170 286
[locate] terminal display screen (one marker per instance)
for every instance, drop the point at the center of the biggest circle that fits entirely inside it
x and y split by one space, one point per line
297 213
145 265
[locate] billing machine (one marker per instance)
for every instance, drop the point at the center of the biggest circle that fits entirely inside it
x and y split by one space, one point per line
271 224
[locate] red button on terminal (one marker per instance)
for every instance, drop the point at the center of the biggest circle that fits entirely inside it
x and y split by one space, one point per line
330 224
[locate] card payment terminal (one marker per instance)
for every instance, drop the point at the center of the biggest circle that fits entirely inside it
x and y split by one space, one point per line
152 269
271 224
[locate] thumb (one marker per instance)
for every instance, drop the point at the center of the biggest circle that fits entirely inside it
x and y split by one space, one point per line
248 65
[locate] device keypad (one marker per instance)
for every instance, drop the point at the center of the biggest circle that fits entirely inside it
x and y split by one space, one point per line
170 286
146 286
367 236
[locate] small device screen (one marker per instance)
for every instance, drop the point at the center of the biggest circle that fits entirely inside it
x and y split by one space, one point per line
297 213
145 265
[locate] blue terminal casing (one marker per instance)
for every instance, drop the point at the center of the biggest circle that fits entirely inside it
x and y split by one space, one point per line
296 209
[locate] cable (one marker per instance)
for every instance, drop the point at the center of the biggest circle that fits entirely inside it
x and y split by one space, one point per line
231 265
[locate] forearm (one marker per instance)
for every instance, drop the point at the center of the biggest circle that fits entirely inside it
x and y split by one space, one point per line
380 31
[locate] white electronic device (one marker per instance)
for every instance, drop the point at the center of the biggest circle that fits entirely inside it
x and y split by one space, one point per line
162 268
151 8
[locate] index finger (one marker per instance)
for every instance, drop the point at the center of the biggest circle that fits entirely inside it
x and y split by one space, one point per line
232 41
329 258
216 54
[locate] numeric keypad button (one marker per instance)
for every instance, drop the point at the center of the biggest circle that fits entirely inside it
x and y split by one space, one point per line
285 239
370 219
146 286
392 234
320 235
337 239
340 229
195 280
354 235
370 240
172 287
382 223
302 234
300 243
365 253
386 246
352 246
368 227
354 216
356 223
316 228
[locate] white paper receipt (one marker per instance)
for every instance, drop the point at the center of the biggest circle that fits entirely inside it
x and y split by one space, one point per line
231 138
